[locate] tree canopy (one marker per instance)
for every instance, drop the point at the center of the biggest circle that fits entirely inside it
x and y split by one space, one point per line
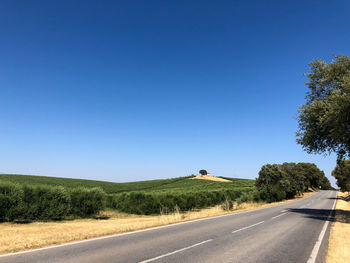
324 120
203 172
342 173
280 181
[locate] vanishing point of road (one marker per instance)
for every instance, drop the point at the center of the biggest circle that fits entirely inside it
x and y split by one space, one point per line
292 232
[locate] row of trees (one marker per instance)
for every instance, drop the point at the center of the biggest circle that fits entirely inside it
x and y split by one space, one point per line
24 202
280 181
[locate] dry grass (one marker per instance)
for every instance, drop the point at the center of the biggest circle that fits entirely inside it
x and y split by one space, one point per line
339 241
211 178
16 237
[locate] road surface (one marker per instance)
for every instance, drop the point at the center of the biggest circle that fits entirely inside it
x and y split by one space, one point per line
293 232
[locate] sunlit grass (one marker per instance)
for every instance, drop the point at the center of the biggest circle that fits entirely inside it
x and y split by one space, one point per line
339 241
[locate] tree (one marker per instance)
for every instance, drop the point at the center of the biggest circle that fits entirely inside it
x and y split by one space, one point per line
342 173
295 175
272 183
313 176
280 181
203 172
324 120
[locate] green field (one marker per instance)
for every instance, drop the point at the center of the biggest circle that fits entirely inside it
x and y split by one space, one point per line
149 197
182 184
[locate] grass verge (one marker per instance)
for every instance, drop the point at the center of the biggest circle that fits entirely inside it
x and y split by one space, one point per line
17 237
339 241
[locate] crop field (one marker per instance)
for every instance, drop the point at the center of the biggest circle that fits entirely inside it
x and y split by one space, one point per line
144 197
108 187
169 185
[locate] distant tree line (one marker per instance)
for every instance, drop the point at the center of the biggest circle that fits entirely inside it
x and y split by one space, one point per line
283 181
24 202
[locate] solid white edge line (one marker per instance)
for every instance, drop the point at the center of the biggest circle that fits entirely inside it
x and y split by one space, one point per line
278 215
243 228
316 248
143 230
174 252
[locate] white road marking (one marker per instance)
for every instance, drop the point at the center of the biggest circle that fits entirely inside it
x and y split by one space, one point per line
316 248
174 252
243 228
278 215
284 211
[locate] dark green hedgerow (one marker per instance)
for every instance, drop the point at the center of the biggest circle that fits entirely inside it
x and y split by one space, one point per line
87 202
155 203
44 202
11 204
26 202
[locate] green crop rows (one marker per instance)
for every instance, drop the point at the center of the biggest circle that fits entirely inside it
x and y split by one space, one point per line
148 197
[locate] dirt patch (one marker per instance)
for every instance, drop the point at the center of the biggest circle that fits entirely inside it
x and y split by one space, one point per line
211 178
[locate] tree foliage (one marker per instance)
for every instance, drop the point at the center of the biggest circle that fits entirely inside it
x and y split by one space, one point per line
279 181
203 172
342 173
324 120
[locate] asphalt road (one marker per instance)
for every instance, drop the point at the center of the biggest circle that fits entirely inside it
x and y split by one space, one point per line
293 232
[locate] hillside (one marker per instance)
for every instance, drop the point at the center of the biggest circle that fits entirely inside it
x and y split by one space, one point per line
182 184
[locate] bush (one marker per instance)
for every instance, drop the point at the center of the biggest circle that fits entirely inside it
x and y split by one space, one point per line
45 202
163 202
227 205
87 202
11 201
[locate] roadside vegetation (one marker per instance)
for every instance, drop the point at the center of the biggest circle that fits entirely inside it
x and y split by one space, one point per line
17 237
339 242
284 181
342 174
25 202
324 128
39 198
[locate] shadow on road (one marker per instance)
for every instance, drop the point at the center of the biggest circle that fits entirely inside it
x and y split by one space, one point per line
322 214
337 215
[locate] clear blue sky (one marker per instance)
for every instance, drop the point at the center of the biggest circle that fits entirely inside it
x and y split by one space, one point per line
134 90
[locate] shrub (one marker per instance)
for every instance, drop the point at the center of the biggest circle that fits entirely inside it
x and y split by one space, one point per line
11 201
227 205
87 202
45 202
163 202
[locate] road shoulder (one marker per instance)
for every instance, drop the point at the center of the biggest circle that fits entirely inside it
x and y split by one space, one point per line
339 242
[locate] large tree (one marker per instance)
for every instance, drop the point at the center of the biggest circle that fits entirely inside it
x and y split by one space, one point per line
324 119
342 173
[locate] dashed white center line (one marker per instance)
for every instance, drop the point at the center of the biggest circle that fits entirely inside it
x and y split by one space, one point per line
247 227
174 252
278 215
